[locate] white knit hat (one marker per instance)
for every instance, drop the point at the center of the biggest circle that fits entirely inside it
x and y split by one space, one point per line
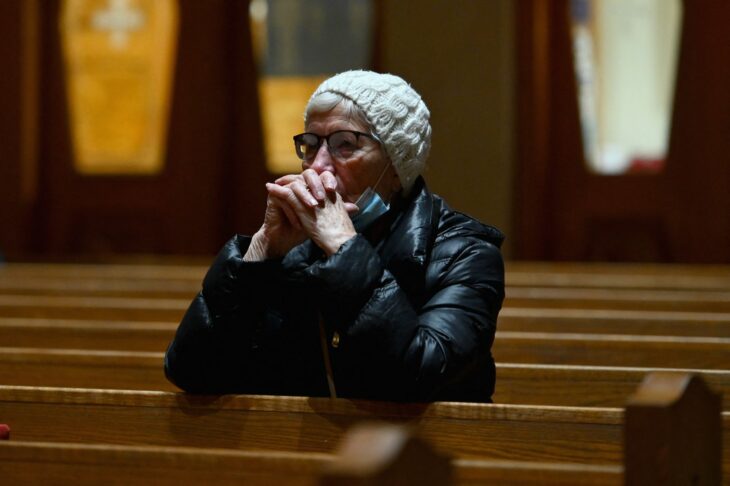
395 111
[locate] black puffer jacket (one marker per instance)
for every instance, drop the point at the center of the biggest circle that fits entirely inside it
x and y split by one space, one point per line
410 317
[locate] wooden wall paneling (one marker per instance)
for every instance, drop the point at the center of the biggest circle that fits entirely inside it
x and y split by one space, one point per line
531 192
242 185
565 212
699 165
211 162
18 123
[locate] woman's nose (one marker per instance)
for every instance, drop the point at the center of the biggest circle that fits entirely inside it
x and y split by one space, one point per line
322 161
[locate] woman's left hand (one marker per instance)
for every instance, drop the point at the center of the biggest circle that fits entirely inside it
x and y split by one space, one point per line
326 218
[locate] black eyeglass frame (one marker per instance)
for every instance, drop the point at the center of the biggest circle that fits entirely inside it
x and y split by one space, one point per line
298 140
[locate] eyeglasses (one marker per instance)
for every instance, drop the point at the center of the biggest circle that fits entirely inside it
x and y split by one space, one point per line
341 144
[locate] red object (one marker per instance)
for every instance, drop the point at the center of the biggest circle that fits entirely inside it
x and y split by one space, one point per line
645 166
4 432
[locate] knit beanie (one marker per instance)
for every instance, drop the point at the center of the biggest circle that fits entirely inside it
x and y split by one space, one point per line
397 114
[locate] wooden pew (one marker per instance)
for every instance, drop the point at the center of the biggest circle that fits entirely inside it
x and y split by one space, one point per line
619 298
612 350
384 454
585 386
529 347
507 432
94 308
617 275
86 334
466 431
143 294
518 274
663 288
611 321
92 464
113 271
100 287
673 433
141 335
517 383
121 370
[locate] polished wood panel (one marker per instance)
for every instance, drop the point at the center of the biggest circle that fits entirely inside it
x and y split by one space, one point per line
86 334
515 432
465 431
673 432
92 464
610 321
612 350
517 383
212 183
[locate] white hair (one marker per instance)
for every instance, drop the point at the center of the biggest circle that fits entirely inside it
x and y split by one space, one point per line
327 101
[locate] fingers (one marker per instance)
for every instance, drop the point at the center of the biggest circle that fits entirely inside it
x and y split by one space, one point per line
328 181
314 183
288 202
293 192
288 179
317 184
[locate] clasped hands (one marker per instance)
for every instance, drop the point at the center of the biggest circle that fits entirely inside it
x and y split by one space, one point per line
301 206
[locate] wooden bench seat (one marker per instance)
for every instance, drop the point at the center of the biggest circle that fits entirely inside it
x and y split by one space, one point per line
140 335
113 271
369 454
585 386
101 287
617 275
43 292
517 383
582 435
95 308
612 321
514 432
518 274
612 350
86 334
619 298
120 370
93 464
687 288
464 431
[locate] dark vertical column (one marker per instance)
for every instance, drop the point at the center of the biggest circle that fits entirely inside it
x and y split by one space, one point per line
245 174
19 45
532 124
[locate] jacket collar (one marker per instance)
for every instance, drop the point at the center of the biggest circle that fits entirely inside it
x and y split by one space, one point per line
405 250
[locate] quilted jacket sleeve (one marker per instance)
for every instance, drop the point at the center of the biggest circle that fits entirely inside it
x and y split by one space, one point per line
211 341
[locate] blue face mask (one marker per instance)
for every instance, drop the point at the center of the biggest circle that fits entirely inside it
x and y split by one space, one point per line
371 206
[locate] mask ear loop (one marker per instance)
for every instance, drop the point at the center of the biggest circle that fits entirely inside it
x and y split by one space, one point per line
374 187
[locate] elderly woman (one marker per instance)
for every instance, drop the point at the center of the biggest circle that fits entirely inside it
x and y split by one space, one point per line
360 282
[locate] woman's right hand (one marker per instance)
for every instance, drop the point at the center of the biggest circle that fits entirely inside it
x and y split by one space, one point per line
280 232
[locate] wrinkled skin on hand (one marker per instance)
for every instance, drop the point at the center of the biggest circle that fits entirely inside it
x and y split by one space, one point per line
301 206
